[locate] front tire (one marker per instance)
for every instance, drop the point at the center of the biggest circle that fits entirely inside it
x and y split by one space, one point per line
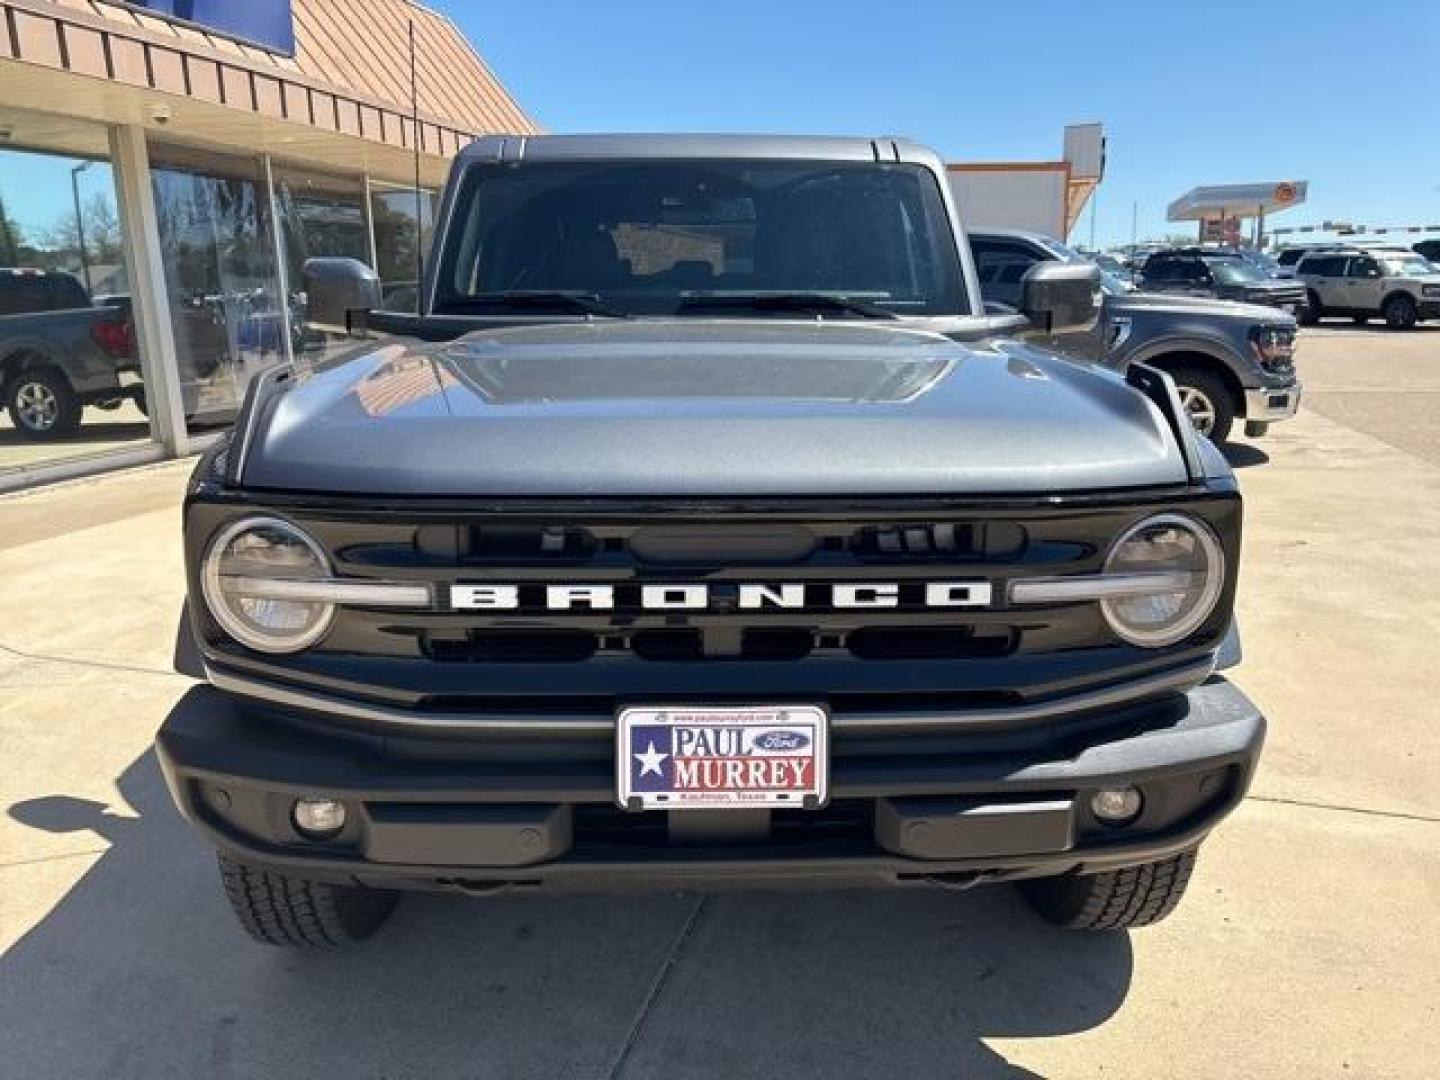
297 913
42 405
1400 312
1310 314
1115 899
1207 402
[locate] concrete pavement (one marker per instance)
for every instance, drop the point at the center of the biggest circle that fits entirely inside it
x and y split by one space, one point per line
1382 382
1309 944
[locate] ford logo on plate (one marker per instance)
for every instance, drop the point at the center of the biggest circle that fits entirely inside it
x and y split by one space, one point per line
781 740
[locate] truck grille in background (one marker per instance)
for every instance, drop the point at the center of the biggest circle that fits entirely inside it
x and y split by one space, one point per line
1281 298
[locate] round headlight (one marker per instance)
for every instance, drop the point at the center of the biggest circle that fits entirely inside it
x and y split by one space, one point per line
1165 544
248 559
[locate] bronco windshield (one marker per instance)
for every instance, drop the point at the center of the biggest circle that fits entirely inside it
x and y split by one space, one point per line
700 237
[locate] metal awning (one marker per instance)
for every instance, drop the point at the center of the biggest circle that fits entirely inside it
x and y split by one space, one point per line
1237 200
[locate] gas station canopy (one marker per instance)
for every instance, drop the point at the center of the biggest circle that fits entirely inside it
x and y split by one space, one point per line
1223 201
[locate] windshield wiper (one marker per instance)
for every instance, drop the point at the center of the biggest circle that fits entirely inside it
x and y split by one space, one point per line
574 300
788 301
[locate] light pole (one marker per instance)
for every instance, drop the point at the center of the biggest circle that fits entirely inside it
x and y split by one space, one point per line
80 220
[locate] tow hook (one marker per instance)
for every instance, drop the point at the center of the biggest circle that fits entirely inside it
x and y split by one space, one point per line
958 880
482 888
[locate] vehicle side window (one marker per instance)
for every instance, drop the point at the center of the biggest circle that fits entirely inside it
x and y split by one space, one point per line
1363 267
65 292
1290 258
1164 270
21 294
1001 266
1320 266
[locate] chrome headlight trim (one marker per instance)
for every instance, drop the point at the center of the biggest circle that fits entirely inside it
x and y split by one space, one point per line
329 591
1213 585
212 587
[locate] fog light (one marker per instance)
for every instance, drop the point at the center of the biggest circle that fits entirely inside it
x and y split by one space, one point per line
319 817
1116 806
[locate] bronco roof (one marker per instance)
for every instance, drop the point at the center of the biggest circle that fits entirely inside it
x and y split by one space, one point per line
607 146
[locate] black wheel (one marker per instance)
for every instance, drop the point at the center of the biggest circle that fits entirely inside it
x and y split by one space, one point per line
1207 402
300 914
1360 320
1114 900
42 405
1399 312
1310 314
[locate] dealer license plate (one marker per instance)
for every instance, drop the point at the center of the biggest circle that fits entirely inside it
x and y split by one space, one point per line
699 758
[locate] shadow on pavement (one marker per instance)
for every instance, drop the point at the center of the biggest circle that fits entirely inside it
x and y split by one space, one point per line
140 971
1244 455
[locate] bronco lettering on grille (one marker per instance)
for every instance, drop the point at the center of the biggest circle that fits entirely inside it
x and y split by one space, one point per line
746 596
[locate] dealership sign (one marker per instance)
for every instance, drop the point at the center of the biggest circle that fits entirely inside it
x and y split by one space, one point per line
264 23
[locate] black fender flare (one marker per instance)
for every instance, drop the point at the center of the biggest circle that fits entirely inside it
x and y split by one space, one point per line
1394 294
23 354
1198 352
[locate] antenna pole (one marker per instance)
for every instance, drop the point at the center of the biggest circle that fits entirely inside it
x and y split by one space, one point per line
415 145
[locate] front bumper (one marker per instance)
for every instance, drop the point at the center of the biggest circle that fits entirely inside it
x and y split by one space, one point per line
491 814
1267 404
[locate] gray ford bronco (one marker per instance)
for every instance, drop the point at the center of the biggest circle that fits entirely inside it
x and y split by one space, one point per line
703 528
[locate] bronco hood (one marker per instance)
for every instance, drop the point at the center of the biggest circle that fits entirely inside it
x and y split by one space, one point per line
701 408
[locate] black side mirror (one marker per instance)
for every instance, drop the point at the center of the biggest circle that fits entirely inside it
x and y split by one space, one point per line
338 294
1061 298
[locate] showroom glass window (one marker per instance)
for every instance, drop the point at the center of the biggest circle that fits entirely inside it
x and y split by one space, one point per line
320 215
220 273
402 236
69 361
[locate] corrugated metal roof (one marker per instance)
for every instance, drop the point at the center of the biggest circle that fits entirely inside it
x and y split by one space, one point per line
357 48
362 45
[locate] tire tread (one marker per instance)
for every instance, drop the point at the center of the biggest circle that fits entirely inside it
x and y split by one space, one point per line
294 912
1116 899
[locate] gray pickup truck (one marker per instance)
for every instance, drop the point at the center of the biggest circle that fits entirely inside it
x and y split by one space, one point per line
702 526
1229 360
60 353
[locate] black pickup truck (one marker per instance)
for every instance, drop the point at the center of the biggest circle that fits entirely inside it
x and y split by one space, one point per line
703 527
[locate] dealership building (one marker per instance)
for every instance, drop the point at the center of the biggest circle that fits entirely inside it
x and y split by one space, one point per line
180 160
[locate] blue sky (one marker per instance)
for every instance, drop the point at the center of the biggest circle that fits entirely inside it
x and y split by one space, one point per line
1339 94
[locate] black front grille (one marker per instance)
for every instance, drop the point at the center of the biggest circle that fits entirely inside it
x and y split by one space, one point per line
444 655
807 562
687 644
